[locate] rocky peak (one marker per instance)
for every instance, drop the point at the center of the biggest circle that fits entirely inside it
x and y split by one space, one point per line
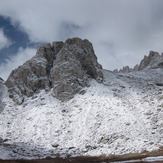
153 60
125 69
64 67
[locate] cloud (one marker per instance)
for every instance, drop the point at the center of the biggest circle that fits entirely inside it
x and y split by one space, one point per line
122 31
4 41
15 61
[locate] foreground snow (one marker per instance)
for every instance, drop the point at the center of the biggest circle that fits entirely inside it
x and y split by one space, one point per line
122 115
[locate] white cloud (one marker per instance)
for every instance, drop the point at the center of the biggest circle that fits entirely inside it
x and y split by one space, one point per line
4 41
122 31
15 61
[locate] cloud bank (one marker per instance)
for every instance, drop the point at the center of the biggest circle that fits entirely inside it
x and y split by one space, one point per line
15 61
122 31
4 41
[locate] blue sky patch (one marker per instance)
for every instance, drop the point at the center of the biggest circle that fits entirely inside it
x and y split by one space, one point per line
18 38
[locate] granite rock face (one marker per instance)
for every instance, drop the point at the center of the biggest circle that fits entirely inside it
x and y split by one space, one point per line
64 67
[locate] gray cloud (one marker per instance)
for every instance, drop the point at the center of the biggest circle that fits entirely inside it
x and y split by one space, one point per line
122 31
4 41
15 61
68 29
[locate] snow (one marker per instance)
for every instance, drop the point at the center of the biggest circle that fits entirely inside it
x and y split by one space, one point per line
122 115
147 159
152 159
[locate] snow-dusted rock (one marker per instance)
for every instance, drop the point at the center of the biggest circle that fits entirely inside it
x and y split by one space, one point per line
125 69
136 68
2 94
1 87
64 67
30 77
72 67
153 61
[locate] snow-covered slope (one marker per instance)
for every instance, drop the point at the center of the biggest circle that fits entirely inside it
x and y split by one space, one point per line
62 103
122 115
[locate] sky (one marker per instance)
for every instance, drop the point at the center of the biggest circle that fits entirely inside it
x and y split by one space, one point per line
121 31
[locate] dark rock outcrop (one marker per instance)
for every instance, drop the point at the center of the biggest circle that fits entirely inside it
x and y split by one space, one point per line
64 67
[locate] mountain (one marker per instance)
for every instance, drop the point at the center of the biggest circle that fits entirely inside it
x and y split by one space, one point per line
153 61
62 103
64 67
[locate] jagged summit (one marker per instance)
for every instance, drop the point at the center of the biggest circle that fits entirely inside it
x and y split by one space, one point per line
64 67
153 60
